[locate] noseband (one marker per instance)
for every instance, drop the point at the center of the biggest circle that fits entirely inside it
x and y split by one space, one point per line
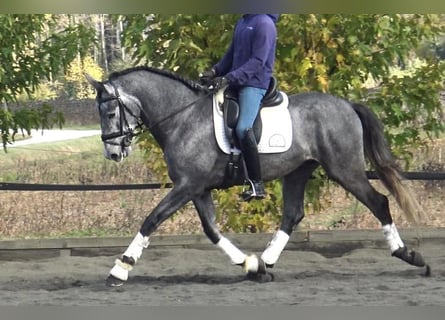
125 130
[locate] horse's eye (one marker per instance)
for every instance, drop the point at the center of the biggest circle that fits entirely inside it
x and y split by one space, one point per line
111 115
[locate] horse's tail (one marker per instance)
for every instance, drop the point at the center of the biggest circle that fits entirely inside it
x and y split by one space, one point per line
378 152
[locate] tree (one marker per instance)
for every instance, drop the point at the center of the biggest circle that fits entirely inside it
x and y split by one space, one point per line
341 54
348 55
360 57
34 47
76 84
187 44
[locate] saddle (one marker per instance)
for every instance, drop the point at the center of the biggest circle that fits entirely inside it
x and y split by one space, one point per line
230 110
272 128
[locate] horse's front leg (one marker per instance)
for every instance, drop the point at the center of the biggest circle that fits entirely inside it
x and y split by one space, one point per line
174 200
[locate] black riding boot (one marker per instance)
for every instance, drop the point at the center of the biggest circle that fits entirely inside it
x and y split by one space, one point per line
249 150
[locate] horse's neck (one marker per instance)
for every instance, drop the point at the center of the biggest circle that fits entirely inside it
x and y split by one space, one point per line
170 107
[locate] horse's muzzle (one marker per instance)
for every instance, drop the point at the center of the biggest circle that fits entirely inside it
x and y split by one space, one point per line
116 157
116 154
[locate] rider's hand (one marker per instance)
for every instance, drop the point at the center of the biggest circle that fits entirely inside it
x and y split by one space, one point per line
207 77
220 82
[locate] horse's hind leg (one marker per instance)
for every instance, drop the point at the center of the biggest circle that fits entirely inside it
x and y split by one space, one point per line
206 210
355 181
293 212
251 264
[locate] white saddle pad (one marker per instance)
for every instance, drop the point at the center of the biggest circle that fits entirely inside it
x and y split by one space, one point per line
276 134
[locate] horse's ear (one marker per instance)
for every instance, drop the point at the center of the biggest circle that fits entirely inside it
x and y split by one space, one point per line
99 86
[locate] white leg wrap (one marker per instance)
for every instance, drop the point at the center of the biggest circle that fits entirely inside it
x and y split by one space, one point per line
235 254
135 248
392 237
275 247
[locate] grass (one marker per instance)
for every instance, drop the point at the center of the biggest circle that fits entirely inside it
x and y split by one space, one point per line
80 161
53 150
64 162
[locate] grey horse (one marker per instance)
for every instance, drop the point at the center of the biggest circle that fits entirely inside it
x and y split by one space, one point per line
326 130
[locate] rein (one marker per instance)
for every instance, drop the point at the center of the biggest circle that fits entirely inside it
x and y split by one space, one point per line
180 110
123 122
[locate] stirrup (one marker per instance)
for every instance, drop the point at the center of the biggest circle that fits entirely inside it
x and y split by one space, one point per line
256 191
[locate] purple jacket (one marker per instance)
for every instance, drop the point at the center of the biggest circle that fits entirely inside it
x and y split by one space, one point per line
250 58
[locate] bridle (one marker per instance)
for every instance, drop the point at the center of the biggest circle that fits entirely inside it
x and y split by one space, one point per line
125 130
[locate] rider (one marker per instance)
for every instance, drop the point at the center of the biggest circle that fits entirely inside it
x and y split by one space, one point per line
247 67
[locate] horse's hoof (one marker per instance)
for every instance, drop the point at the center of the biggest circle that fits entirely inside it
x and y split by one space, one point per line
254 265
260 277
417 259
251 264
114 282
413 258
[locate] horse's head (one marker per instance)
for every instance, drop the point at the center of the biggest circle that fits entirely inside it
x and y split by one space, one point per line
119 115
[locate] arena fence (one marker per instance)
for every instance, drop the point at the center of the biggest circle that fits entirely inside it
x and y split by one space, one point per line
328 243
7 186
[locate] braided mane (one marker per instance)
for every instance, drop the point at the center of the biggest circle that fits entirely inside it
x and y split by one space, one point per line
189 83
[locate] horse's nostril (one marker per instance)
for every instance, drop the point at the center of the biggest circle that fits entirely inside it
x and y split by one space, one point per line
114 156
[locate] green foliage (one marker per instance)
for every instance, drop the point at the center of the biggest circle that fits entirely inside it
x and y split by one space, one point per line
34 47
336 53
153 155
187 44
32 50
255 216
77 85
46 90
6 122
410 108
24 120
344 54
